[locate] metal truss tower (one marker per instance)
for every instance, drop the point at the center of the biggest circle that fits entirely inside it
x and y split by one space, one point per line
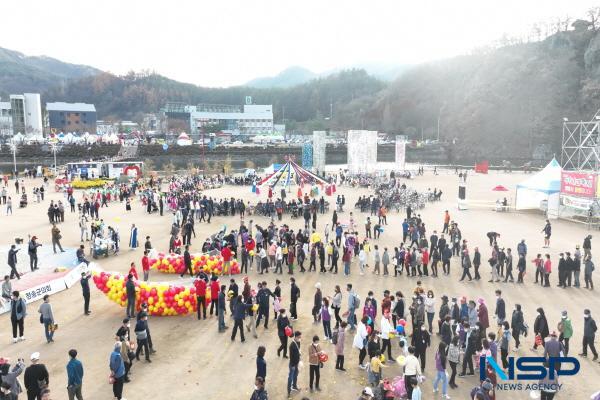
581 145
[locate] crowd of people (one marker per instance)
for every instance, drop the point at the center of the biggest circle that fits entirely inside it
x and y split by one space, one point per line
391 332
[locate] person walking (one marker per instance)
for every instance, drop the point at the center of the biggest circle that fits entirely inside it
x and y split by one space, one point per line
504 344
589 333
540 327
412 369
295 354
117 371
239 314
339 346
47 318
12 261
221 307
440 367
141 334
386 329
259 392
18 312
56 236
547 231
566 331
587 272
283 322
466 265
517 323
261 364
453 360
314 354
74 376
36 378
336 304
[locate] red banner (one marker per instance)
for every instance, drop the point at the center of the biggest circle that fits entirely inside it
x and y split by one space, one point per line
482 167
578 184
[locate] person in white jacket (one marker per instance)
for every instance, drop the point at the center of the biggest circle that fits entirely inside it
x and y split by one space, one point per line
362 259
386 329
360 341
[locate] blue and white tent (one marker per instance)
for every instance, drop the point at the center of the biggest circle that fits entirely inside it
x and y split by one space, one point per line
541 188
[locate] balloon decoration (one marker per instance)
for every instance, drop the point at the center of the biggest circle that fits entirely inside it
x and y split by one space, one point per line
162 298
173 264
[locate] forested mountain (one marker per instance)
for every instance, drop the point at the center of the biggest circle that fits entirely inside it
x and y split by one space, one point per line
504 103
507 101
21 74
126 96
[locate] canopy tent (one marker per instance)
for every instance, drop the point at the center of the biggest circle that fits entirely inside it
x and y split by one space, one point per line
539 188
289 173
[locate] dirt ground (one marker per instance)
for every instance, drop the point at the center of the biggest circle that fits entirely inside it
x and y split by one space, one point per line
193 359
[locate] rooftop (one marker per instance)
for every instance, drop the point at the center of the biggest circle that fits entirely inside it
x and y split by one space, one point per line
60 106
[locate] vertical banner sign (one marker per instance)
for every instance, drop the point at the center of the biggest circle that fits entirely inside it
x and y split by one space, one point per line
319 145
362 151
307 155
578 184
400 153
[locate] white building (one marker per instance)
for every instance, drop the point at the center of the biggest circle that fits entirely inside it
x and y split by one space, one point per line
5 119
251 120
26 114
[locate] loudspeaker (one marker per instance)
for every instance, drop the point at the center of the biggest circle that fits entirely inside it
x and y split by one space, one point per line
462 192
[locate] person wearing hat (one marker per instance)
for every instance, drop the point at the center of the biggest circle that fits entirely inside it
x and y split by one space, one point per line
566 331
141 335
589 333
9 377
85 291
32 252
117 371
144 312
36 377
367 394
484 390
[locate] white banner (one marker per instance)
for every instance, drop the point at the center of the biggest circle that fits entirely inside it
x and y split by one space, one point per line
576 202
400 153
74 275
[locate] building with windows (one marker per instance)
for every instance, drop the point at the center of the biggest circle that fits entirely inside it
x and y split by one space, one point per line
71 117
241 122
25 113
5 119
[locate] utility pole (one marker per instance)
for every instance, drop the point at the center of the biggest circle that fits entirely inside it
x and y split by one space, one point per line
13 147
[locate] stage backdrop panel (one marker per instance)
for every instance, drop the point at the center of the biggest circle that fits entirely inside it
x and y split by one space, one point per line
362 151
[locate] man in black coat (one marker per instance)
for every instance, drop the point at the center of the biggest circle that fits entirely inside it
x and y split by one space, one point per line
85 290
294 296
262 297
35 375
562 266
239 314
130 289
187 261
294 362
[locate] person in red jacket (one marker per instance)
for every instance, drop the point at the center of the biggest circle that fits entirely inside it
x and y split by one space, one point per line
200 285
214 295
133 272
146 266
226 254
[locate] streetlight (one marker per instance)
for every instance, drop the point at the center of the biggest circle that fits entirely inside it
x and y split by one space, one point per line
438 121
13 147
53 146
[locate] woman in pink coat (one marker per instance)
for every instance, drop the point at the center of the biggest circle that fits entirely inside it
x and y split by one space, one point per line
339 346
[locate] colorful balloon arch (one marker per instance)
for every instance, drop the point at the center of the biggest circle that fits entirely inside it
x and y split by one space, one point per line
162 298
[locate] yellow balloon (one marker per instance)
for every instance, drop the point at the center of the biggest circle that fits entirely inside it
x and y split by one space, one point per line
150 300
180 303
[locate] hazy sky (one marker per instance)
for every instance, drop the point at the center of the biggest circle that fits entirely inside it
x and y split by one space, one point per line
228 42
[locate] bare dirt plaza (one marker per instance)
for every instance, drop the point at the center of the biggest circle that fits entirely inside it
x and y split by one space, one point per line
194 360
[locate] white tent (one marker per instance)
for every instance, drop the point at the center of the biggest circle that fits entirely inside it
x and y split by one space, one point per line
541 188
184 140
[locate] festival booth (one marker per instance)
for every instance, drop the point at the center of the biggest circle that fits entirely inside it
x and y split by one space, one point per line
579 192
291 173
541 191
